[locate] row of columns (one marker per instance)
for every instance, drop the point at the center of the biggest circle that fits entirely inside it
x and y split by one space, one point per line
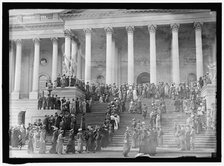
111 59
34 93
153 72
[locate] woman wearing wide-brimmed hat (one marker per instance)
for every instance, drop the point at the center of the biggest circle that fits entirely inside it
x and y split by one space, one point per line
60 140
54 140
80 141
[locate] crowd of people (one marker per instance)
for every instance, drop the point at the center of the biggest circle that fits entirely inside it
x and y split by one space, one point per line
58 126
186 99
145 137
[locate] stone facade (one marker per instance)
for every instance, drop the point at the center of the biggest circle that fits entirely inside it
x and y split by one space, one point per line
54 27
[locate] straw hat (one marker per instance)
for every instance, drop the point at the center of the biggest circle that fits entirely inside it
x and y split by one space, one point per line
54 128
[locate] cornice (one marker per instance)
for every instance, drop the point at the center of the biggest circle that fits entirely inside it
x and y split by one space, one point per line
36 25
69 14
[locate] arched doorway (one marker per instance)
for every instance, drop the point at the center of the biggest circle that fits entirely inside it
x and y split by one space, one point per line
191 77
143 78
43 78
21 117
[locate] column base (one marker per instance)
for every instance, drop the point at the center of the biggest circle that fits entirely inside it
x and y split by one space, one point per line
14 95
33 95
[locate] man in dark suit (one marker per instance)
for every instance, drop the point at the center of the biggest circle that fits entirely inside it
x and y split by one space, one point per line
77 105
48 100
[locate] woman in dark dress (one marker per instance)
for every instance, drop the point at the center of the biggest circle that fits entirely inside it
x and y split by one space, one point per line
98 140
71 142
127 144
54 140
144 143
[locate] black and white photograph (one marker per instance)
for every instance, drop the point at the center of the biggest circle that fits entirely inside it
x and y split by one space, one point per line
113 82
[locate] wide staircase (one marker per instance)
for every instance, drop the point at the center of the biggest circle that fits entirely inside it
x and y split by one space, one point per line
204 140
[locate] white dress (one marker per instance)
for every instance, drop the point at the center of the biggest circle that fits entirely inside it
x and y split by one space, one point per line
135 96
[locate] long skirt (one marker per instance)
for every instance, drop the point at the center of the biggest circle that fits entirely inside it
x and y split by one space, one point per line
188 145
134 142
126 149
182 143
177 139
53 148
80 147
143 147
152 145
37 142
160 141
59 147
42 149
70 148
30 146
98 145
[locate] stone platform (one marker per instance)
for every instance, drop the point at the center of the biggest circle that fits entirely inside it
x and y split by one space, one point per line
68 92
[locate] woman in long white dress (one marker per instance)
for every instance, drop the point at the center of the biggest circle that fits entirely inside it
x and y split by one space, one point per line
135 95
42 149
59 147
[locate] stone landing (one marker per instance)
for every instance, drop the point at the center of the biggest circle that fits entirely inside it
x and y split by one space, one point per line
67 92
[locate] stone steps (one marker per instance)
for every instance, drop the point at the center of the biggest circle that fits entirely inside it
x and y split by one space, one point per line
203 140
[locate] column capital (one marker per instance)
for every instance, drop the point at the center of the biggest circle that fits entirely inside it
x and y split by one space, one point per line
67 33
198 25
54 39
87 30
152 28
36 40
108 29
130 29
18 41
175 27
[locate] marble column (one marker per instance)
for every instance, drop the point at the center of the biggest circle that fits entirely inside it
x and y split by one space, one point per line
175 54
199 55
116 65
109 32
54 59
36 64
15 93
152 34
74 56
79 65
113 61
11 65
67 55
88 55
130 31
